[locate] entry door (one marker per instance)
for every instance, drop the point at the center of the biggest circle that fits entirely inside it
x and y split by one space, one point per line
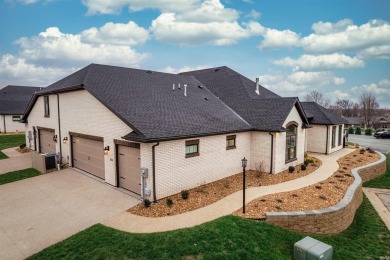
129 168
46 143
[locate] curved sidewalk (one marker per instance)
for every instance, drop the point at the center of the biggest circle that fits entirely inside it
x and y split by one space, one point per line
128 222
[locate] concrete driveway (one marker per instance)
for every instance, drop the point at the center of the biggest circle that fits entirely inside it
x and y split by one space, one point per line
38 212
380 145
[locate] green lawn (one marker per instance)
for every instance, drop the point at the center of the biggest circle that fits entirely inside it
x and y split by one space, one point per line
18 175
8 141
382 182
225 238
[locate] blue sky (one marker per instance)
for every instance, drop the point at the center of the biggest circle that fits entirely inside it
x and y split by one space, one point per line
340 48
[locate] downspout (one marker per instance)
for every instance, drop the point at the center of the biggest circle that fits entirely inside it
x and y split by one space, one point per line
154 171
59 127
327 139
272 152
5 129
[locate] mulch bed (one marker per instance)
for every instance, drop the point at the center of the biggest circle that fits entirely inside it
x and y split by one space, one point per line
23 150
209 193
320 195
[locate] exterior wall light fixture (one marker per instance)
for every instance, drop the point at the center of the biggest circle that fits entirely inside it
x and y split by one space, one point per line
106 150
65 140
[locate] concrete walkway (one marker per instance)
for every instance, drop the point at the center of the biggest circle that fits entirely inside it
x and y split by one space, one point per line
380 199
16 161
136 224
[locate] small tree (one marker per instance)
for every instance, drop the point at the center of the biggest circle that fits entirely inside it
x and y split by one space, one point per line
350 130
358 131
368 131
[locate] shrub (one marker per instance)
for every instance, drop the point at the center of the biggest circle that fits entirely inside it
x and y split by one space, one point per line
185 194
147 203
303 167
22 146
358 131
169 202
368 131
308 161
368 149
291 169
305 155
362 151
350 130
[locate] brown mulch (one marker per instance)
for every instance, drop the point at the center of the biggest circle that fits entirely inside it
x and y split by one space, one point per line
23 150
320 195
212 192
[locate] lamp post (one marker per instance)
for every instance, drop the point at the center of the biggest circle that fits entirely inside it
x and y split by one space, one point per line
243 161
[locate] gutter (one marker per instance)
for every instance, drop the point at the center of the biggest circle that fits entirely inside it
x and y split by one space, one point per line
327 139
59 127
272 152
154 170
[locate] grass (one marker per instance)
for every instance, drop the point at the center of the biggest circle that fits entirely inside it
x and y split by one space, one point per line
8 141
225 238
382 182
18 175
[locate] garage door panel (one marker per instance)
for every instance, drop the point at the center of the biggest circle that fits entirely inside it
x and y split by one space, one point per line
88 156
47 145
129 168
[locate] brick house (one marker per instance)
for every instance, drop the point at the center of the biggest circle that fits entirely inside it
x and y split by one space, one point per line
13 103
185 129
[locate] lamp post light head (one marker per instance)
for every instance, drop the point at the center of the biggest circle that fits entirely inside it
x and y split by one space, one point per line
244 162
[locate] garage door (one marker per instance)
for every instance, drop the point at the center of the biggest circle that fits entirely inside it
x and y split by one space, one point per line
129 168
88 155
46 143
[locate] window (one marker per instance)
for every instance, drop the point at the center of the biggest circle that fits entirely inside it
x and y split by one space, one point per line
340 134
291 143
230 142
16 118
192 148
46 103
333 136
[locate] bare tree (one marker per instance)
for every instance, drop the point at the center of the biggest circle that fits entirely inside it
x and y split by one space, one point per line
368 104
318 97
344 106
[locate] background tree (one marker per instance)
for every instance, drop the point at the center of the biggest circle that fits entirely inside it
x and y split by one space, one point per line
345 107
318 97
368 105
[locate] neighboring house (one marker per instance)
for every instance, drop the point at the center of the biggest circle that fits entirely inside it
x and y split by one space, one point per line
354 122
185 129
381 122
327 132
13 103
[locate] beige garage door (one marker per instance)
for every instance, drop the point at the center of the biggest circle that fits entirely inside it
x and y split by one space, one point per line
88 155
46 143
129 168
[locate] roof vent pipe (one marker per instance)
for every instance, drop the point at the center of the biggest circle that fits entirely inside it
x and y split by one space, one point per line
257 86
179 87
173 87
185 90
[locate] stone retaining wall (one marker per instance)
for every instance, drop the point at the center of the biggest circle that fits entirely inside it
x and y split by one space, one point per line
334 219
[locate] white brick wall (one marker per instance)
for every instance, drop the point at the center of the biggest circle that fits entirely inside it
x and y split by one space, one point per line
174 172
10 126
81 113
261 150
316 139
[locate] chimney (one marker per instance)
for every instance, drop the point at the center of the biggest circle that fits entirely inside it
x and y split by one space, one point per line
173 87
185 90
257 87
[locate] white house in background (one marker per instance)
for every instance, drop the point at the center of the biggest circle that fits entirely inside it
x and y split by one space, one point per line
185 129
13 103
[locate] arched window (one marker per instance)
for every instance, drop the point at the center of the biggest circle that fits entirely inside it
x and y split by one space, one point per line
291 142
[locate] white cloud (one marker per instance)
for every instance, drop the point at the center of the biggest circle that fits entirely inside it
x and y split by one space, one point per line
381 90
117 34
274 39
377 52
321 62
115 6
324 28
348 37
25 2
339 94
172 70
167 28
17 71
253 14
339 81
55 48
384 83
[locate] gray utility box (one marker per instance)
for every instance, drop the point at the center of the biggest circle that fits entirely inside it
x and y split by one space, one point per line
310 249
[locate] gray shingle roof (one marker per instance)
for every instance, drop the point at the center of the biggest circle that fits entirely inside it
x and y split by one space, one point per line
14 99
265 112
354 120
320 115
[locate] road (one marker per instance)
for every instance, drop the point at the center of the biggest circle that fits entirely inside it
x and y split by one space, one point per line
380 145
